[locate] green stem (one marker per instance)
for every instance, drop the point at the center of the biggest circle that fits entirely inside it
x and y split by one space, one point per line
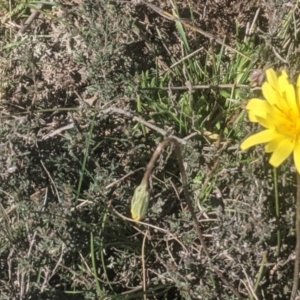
277 209
86 154
260 274
98 287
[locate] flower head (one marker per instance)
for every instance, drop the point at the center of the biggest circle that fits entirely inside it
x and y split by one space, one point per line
279 114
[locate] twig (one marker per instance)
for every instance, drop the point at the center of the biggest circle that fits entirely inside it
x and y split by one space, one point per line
249 286
142 121
152 226
144 265
253 22
31 18
121 179
52 181
59 260
58 131
198 87
297 250
278 55
186 57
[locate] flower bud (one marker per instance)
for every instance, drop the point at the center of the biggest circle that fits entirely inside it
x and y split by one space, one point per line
139 202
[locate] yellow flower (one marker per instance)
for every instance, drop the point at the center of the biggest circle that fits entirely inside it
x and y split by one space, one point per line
280 115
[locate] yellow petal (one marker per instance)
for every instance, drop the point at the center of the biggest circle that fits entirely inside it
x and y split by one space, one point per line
265 122
256 103
262 112
274 143
297 156
298 80
269 93
283 81
289 94
257 114
279 121
272 78
258 138
252 117
258 108
298 91
274 98
282 152
284 74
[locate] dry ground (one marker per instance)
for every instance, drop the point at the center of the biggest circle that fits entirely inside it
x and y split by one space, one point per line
67 168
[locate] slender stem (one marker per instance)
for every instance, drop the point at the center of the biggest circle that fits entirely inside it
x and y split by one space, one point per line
144 266
187 197
98 286
297 249
260 273
149 168
277 209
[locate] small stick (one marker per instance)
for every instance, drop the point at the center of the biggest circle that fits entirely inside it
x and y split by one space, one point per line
142 121
297 250
144 265
31 18
198 87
